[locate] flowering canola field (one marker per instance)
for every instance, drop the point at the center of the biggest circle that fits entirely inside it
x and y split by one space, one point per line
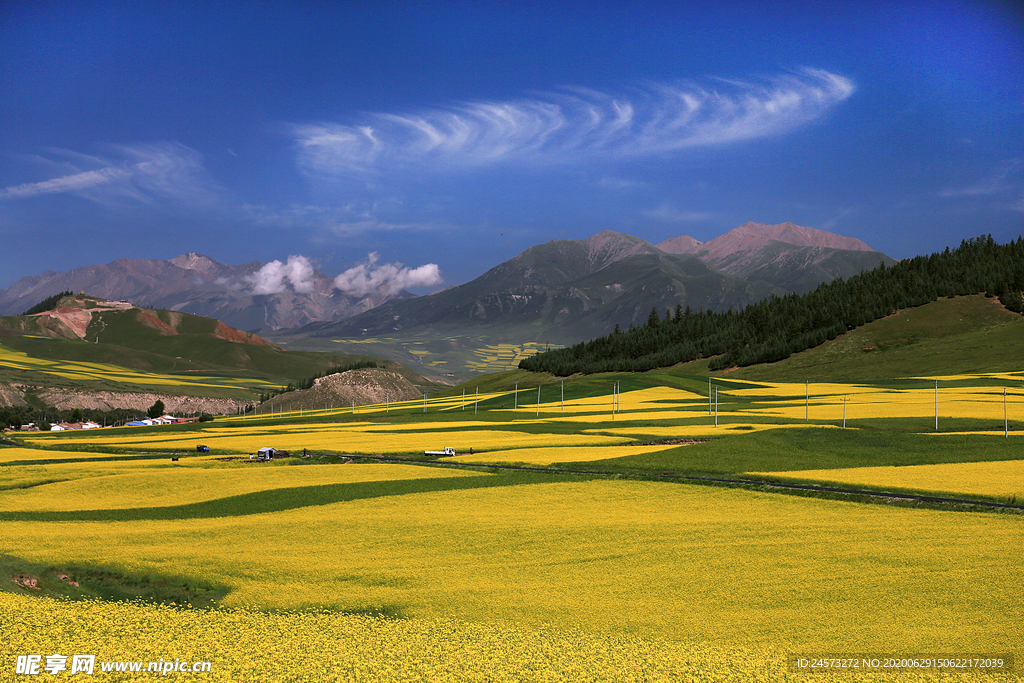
85 371
1003 478
109 487
733 568
243 645
340 438
508 577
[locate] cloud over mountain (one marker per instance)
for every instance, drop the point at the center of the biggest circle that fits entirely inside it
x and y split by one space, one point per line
271 278
299 274
393 277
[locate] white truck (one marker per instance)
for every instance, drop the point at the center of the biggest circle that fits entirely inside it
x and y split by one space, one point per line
447 452
264 454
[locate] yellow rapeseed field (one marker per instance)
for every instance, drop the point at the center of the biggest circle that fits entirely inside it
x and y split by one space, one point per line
667 561
241 645
549 456
1003 478
339 439
176 484
507 577
824 401
85 371
8 455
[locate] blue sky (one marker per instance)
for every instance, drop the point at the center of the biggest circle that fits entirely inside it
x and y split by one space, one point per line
461 133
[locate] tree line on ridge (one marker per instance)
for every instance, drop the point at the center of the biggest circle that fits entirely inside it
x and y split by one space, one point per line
778 327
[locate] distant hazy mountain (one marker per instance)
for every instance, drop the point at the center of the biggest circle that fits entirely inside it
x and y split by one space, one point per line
788 256
568 288
574 289
563 290
193 283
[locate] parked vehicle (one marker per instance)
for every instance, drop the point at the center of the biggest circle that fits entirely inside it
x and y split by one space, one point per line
265 453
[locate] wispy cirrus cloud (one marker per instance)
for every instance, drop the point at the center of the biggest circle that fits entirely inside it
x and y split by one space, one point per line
349 220
671 214
572 125
158 173
1003 185
1007 176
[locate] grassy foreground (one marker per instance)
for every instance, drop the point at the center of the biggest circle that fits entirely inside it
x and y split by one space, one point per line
311 569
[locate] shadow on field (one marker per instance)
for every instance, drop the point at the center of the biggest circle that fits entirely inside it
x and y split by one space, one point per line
277 500
83 582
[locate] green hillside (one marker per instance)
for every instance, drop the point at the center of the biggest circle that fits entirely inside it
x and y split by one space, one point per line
777 328
131 349
962 335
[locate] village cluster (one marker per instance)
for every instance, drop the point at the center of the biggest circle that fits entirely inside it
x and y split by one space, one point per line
89 424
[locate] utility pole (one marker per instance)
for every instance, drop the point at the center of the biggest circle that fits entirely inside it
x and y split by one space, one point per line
515 401
538 400
936 405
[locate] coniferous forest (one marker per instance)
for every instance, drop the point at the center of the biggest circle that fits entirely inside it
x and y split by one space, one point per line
778 327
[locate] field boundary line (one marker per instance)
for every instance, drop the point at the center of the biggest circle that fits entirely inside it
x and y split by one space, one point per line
732 483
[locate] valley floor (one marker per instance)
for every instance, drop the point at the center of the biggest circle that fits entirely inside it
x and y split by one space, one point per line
330 568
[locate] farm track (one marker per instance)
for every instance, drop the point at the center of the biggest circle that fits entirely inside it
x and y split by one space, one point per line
877 496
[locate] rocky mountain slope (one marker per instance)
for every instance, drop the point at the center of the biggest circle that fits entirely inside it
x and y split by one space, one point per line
563 290
788 256
86 317
345 389
569 290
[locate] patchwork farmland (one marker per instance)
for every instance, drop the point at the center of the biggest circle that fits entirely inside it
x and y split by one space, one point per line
622 570
457 357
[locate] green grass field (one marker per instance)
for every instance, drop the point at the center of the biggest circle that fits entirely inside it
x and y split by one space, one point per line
460 357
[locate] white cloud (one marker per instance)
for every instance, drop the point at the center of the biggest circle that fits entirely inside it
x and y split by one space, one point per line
161 173
327 223
573 125
69 183
299 274
366 277
272 277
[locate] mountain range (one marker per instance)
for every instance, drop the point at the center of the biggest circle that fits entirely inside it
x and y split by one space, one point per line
566 290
